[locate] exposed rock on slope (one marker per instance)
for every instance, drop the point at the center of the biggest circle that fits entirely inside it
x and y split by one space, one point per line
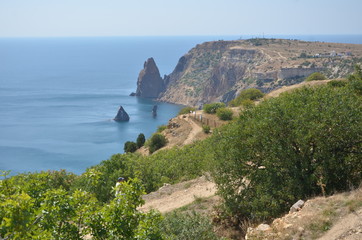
149 84
215 71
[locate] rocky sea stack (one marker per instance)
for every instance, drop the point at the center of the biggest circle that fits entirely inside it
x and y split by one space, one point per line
121 116
149 83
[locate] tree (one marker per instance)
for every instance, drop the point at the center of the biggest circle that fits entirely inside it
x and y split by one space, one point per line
301 144
355 80
249 94
156 142
130 147
224 114
140 140
212 107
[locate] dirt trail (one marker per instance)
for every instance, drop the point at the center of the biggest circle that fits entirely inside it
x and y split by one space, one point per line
171 197
347 228
195 130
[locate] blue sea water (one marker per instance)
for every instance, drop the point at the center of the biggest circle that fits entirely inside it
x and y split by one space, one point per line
58 96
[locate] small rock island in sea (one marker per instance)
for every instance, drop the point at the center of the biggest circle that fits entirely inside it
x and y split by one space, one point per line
121 116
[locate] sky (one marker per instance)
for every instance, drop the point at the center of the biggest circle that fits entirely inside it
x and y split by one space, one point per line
62 18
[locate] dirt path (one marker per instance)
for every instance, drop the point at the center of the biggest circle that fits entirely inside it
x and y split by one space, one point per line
347 228
171 197
195 129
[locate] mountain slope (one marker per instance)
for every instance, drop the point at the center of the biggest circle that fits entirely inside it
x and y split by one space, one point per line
217 71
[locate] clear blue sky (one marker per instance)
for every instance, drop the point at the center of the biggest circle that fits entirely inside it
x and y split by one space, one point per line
35 18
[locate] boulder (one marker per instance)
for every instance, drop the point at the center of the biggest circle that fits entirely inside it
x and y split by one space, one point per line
149 83
133 94
296 206
121 116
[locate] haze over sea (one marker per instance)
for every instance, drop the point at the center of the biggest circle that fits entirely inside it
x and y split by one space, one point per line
58 96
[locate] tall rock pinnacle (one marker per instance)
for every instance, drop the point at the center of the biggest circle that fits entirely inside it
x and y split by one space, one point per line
149 83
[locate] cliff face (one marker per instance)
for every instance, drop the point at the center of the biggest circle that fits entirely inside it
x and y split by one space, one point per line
149 83
215 71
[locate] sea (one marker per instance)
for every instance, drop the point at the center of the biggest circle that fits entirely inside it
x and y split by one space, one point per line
58 96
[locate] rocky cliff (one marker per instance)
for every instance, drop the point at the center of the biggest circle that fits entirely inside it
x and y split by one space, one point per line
149 83
215 71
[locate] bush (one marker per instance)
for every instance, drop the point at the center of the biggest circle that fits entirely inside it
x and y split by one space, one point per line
130 147
315 76
247 103
186 110
180 226
206 129
140 140
156 142
337 83
161 128
247 94
224 114
292 147
212 107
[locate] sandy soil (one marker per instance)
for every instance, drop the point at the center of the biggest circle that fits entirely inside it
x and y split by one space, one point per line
171 197
347 228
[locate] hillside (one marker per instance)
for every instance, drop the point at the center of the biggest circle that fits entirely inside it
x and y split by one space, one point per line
218 71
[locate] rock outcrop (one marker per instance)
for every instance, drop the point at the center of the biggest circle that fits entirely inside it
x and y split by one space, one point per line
121 116
154 111
218 71
149 83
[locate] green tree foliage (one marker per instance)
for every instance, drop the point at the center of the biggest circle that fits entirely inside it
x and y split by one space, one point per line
316 76
140 140
206 129
224 114
212 107
130 147
355 80
288 148
60 214
156 142
248 95
186 110
161 128
188 226
337 83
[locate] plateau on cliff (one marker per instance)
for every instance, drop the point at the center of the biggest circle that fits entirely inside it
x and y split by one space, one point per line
149 83
218 71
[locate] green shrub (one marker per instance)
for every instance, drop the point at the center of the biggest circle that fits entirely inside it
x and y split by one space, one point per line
130 147
337 83
181 226
161 128
57 213
292 147
224 114
206 129
186 110
212 107
247 103
140 140
315 76
247 94
355 80
156 142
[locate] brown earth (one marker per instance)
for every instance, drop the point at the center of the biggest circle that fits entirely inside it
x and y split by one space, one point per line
171 197
338 217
